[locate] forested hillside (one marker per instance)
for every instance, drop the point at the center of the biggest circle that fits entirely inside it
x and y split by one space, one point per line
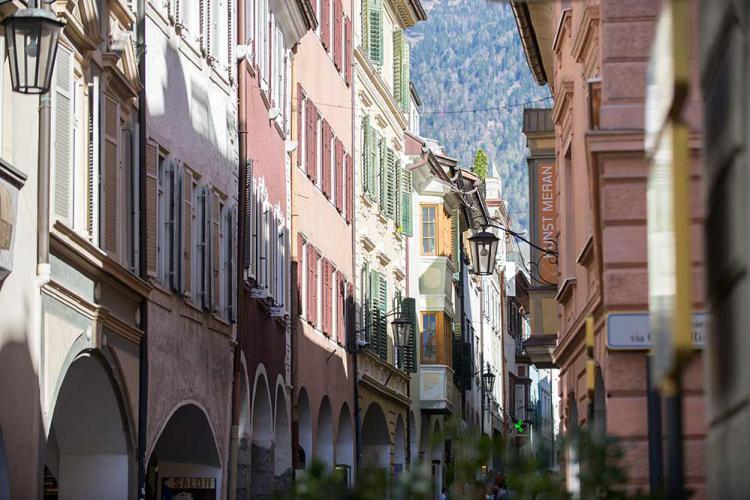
467 56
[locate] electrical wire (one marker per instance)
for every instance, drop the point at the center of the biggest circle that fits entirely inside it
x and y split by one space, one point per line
451 111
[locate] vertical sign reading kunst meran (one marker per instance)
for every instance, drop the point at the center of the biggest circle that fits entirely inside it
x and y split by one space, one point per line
546 209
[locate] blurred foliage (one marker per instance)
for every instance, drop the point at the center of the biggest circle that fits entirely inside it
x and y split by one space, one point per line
526 476
467 55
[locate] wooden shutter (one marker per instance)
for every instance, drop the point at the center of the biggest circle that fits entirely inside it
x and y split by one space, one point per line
398 37
152 208
373 318
247 218
454 236
396 183
341 309
325 23
232 255
64 143
326 129
215 252
405 75
382 173
339 175
111 176
383 321
390 184
349 50
325 268
312 142
300 271
409 310
366 155
349 189
92 174
337 13
375 30
312 265
300 123
406 211
365 21
349 311
177 235
187 232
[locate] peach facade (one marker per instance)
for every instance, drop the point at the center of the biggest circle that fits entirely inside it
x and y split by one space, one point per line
594 56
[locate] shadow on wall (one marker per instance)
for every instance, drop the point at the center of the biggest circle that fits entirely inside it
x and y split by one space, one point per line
21 431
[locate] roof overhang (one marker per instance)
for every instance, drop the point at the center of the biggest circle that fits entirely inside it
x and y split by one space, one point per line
534 21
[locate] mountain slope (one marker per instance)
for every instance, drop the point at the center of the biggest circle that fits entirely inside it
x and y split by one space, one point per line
467 56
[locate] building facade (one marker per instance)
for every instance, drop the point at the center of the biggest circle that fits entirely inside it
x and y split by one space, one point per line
593 55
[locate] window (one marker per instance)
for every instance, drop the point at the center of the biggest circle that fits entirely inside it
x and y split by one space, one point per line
262 35
429 338
520 402
319 291
331 24
334 304
332 164
200 239
319 152
428 229
302 253
130 177
318 5
167 219
302 133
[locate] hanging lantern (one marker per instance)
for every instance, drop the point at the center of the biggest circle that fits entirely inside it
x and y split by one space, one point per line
483 247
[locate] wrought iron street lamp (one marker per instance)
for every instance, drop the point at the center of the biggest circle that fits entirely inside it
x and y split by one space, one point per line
483 247
31 36
488 380
401 330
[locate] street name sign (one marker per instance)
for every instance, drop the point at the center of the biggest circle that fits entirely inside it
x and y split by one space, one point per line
632 331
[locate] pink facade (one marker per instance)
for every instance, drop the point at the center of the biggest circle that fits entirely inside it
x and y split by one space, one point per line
593 55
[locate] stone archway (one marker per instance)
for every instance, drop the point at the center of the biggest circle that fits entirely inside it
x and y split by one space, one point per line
282 448
304 430
345 444
324 435
261 435
186 448
399 447
88 438
376 445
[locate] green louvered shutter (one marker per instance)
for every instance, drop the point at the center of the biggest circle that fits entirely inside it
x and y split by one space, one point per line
406 189
398 37
405 77
372 308
365 25
382 173
366 161
409 310
375 31
454 239
390 188
383 323
396 182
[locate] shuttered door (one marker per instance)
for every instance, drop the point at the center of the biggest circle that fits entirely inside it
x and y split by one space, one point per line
349 50
63 146
152 209
111 176
375 31
187 232
326 159
349 189
409 310
337 13
339 175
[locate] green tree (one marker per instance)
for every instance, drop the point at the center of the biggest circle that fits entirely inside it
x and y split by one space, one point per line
481 163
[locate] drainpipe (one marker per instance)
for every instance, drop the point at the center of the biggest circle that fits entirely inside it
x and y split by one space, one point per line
242 201
142 250
357 418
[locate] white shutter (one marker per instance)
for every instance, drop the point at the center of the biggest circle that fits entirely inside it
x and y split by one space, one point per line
92 173
178 203
63 147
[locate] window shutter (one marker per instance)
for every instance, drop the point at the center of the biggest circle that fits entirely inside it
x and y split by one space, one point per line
177 222
375 29
64 145
300 124
92 175
382 173
340 309
339 175
406 212
349 189
187 232
337 13
396 183
326 298
398 45
383 321
247 218
300 270
111 174
349 50
390 184
215 252
325 23
326 159
310 138
152 210
312 265
454 240
366 156
365 32
349 319
232 265
405 75
409 310
373 318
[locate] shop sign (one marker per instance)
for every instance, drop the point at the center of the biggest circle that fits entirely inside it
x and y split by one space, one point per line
632 331
546 219
188 488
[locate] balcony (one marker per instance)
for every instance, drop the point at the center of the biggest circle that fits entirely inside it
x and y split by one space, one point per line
436 389
383 377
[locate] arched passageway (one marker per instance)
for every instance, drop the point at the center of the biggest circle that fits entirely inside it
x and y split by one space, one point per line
304 430
324 435
345 445
185 460
282 448
261 433
399 447
88 437
376 446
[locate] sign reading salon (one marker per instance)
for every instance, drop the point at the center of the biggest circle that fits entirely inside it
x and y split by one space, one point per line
188 488
632 331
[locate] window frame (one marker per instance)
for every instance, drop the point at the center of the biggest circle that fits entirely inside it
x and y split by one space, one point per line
422 236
